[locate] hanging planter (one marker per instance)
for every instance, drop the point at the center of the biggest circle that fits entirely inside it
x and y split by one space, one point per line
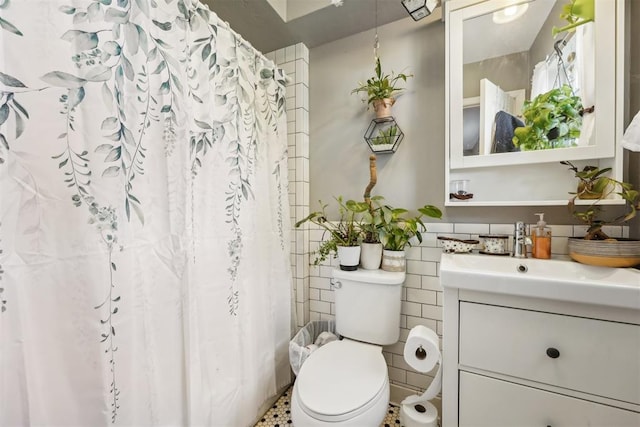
382 107
381 88
552 120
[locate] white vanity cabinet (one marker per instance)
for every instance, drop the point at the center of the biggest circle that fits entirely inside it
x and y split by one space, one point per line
514 355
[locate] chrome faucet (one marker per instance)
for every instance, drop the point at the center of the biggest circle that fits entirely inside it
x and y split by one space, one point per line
520 240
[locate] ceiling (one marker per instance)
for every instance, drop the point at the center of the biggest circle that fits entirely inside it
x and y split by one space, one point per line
263 27
493 43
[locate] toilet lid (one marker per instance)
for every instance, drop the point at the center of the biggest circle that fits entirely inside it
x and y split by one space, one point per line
341 377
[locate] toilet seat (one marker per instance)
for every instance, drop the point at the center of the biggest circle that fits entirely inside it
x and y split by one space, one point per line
341 380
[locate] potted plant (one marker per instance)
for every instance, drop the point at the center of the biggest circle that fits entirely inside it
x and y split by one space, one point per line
370 224
386 136
344 235
576 13
381 89
552 120
592 182
596 247
397 230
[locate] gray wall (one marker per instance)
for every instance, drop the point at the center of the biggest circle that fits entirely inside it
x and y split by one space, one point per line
414 175
518 76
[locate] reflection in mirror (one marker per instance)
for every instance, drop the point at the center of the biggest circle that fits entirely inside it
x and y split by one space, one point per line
497 70
509 58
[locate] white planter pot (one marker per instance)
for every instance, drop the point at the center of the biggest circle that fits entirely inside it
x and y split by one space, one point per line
371 256
349 257
393 260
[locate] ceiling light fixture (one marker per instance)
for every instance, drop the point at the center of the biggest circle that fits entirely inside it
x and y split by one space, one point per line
419 9
510 13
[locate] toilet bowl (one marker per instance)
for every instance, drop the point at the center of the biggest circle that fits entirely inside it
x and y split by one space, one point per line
343 383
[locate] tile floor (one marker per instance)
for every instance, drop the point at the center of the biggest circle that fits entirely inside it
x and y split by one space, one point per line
280 414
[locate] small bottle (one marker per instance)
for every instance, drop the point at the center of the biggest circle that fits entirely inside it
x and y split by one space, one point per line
541 239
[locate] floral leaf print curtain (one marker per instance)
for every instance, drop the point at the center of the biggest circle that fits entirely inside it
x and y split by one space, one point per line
144 220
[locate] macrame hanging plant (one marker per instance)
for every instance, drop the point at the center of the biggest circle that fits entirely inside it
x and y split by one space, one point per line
383 134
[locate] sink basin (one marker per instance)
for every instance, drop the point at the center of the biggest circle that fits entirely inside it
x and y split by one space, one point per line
555 279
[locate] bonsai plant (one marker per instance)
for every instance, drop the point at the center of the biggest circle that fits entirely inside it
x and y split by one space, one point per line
381 89
552 120
592 184
344 233
596 247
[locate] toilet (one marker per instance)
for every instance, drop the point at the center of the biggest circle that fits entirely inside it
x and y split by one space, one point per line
345 382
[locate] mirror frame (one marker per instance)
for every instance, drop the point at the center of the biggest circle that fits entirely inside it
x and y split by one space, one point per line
608 81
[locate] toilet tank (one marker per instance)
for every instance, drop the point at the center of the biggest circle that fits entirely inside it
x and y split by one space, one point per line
367 305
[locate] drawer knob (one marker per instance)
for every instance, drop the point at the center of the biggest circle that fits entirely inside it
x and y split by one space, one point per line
553 353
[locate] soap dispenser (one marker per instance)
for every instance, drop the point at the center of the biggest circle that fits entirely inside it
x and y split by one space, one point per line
541 239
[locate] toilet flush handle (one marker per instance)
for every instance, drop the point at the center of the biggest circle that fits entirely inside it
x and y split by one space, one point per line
336 284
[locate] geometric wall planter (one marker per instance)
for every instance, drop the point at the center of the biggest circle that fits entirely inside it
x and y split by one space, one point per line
383 135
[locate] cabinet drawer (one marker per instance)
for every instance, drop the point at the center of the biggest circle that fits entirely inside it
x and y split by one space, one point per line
595 356
488 402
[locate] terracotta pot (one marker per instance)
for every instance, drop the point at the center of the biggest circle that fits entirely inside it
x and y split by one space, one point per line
393 260
371 256
349 257
382 107
605 253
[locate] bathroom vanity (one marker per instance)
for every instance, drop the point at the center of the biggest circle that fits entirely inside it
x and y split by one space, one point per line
539 343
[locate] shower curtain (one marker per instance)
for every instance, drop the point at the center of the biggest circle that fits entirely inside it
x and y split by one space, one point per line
144 220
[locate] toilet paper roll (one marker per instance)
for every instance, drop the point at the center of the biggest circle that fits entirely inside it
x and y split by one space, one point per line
419 415
422 351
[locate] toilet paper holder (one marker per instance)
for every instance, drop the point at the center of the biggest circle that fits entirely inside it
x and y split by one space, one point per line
421 353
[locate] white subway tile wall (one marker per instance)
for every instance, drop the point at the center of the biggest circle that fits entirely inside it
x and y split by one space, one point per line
294 60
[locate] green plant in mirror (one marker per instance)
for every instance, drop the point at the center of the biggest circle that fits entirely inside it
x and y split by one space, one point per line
381 85
576 13
594 185
396 228
552 120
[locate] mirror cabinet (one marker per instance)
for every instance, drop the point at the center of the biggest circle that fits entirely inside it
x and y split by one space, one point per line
500 55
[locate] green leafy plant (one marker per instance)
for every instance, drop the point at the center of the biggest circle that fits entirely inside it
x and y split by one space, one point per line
576 13
386 136
371 221
552 120
594 185
396 228
381 85
344 232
